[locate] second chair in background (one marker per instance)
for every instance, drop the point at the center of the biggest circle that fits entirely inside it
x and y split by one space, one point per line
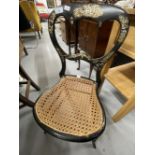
31 13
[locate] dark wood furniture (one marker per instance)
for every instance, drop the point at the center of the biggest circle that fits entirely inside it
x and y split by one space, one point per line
90 38
72 109
93 38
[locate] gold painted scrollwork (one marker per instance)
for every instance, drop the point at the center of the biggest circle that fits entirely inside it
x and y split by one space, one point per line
124 21
122 36
50 22
88 10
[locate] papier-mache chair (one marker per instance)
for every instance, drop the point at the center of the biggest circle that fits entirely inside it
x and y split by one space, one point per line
72 110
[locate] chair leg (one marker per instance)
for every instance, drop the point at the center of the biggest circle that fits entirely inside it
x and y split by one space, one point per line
69 48
25 75
39 35
22 106
25 51
125 109
90 70
94 144
23 82
78 68
45 132
27 89
25 101
42 30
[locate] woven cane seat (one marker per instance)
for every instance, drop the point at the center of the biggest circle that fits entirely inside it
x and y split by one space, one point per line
71 107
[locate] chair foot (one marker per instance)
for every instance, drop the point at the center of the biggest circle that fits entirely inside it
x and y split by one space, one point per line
94 144
39 35
78 68
22 106
25 51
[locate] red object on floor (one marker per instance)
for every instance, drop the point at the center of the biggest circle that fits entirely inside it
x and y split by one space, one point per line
43 12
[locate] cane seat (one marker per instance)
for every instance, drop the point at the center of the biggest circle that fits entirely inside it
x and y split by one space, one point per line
71 107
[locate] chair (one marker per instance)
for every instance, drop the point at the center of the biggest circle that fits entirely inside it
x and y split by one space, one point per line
32 15
122 77
28 82
72 110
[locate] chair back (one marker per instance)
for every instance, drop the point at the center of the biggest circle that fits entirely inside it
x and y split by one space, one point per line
99 13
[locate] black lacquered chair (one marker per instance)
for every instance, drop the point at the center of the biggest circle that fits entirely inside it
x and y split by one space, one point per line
72 110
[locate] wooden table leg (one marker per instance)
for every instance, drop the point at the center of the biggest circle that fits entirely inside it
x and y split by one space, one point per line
125 109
